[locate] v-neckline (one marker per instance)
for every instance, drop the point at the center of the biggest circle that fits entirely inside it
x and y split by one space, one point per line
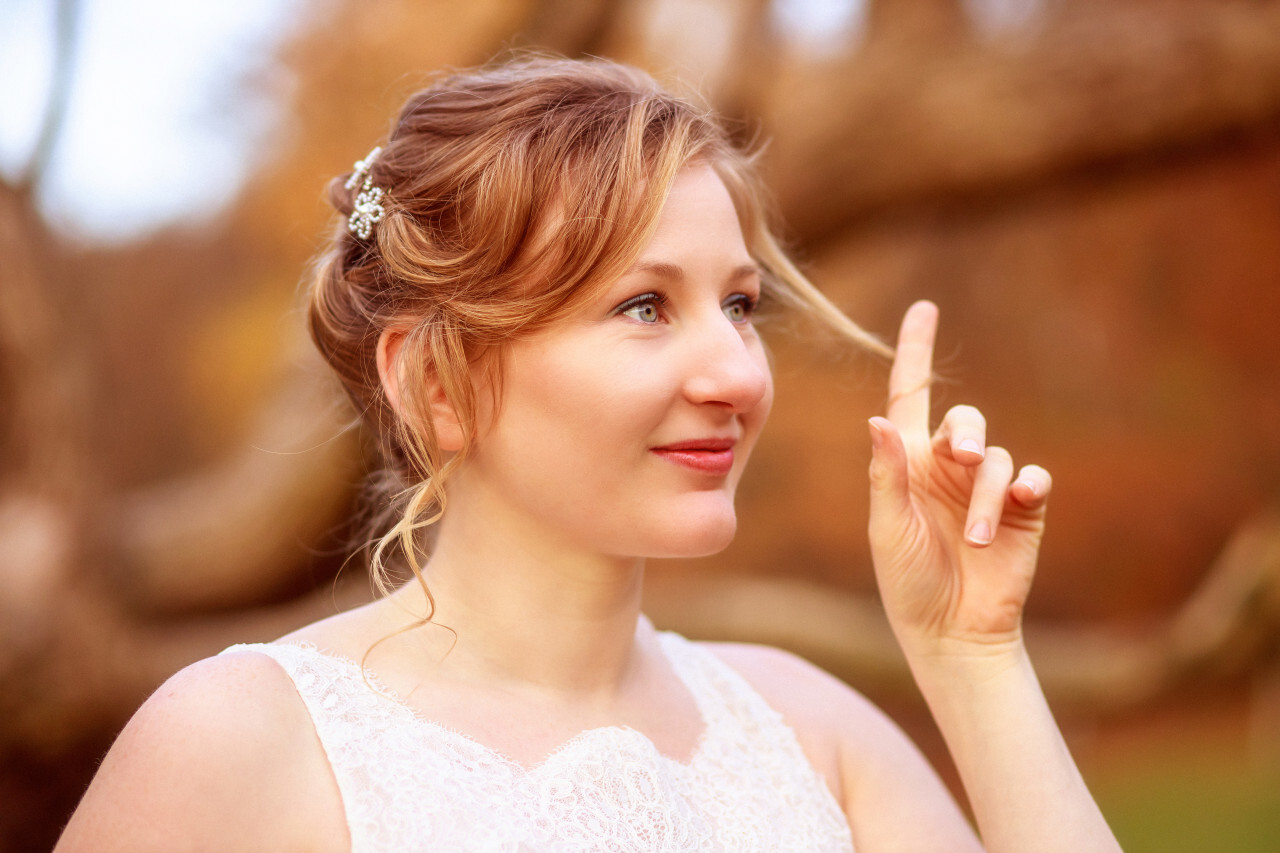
564 751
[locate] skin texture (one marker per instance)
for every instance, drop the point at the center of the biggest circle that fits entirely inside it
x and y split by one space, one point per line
954 539
665 356
582 472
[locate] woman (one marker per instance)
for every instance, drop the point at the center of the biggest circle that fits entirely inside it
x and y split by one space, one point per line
541 298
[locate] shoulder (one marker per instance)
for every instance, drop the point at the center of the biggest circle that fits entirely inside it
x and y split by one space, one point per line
242 697
224 752
827 716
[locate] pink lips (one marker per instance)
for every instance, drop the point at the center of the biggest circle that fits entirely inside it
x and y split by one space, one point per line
712 456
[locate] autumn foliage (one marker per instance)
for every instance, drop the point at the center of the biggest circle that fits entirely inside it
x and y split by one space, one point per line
1090 193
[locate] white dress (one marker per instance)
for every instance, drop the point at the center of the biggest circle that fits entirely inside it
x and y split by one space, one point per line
409 784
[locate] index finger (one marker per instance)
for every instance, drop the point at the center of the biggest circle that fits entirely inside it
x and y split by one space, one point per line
912 369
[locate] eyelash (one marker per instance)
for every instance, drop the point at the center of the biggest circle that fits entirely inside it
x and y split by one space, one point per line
747 302
652 298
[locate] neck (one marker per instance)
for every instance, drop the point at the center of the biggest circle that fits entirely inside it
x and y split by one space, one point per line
527 611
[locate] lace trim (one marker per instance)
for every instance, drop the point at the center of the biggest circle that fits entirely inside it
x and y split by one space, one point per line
401 707
410 783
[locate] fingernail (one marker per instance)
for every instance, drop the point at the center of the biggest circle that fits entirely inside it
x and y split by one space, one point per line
1029 485
877 434
980 533
969 445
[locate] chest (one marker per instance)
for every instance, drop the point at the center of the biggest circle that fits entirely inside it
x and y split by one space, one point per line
605 789
526 729
412 784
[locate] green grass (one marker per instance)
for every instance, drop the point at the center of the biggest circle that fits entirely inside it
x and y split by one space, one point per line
1192 803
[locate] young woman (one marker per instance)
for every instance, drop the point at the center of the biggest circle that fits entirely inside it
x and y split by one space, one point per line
541 298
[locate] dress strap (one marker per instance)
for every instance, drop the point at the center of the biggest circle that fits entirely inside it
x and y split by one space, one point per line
722 694
743 724
347 713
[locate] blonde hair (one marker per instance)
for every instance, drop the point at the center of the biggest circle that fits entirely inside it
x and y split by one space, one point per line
512 192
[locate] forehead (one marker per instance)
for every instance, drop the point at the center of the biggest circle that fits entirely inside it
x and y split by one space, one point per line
697 195
696 231
699 219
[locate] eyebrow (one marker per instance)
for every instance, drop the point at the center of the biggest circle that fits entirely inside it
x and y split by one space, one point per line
675 272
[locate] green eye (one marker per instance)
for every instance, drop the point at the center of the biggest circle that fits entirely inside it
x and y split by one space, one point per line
645 308
645 312
739 309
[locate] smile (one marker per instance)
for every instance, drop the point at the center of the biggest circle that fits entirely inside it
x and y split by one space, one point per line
712 456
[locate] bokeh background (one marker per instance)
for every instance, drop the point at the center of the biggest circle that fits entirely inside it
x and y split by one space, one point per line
1090 190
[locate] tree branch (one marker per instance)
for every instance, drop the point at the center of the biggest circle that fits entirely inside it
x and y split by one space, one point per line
66 39
1226 626
922 121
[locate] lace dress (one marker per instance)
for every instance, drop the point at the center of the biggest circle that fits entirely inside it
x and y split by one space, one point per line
408 784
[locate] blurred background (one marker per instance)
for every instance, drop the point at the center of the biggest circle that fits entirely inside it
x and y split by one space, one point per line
1090 190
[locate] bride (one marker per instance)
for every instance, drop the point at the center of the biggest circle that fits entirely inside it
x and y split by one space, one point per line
542 297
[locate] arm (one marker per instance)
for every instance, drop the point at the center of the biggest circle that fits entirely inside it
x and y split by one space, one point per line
221 757
954 539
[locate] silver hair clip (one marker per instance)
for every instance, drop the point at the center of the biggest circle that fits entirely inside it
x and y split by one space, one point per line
367 209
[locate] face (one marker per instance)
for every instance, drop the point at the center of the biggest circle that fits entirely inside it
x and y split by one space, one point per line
624 430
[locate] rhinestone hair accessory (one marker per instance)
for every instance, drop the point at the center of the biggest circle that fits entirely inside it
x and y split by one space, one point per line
367 209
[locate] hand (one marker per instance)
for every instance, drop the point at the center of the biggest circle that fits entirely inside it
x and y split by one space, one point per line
954 537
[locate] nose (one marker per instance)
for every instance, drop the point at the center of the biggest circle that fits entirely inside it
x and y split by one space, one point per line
727 366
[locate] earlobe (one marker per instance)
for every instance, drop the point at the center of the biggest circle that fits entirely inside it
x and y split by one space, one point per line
449 437
444 418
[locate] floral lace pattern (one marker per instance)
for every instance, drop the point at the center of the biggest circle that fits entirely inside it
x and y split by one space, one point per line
409 784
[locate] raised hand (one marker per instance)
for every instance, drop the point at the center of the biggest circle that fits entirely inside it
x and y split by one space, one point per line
954 536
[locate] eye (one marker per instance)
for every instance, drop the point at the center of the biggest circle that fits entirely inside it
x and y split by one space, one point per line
739 307
645 308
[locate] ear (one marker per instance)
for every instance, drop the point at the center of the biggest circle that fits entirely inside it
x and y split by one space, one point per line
449 435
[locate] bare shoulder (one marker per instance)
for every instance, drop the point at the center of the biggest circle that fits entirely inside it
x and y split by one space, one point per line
223 753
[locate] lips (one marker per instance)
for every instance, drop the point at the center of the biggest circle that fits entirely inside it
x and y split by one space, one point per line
711 456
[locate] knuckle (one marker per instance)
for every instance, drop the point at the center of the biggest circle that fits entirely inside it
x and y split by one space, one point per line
879 474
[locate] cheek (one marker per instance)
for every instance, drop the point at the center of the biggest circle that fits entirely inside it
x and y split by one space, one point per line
583 403
766 404
605 385
755 419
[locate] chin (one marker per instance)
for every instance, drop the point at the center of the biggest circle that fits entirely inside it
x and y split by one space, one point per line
698 534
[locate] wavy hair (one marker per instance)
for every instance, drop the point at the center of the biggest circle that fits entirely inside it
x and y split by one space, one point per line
512 193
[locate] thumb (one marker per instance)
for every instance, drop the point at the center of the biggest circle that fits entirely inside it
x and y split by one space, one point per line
890 489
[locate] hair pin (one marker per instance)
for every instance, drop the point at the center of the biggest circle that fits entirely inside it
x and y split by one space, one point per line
367 209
